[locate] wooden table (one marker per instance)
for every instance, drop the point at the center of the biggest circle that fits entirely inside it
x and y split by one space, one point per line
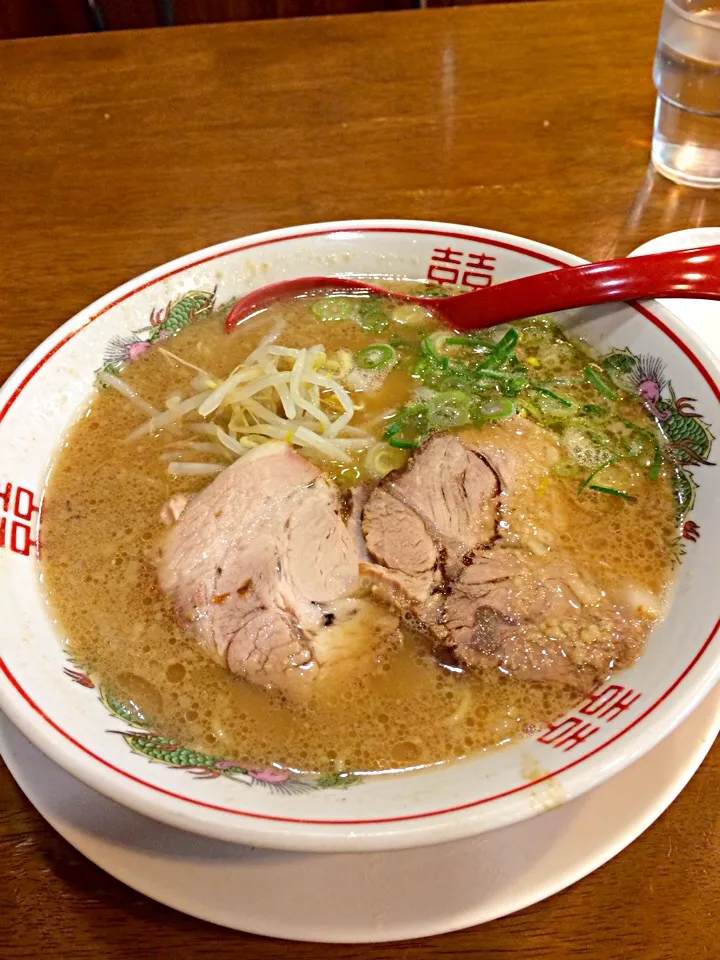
124 150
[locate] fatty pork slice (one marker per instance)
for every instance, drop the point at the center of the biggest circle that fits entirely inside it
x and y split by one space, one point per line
261 567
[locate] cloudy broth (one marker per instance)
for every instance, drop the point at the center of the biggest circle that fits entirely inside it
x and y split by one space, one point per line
101 527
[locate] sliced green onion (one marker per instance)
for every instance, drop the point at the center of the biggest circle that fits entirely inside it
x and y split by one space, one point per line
375 355
371 315
530 408
588 480
403 444
408 428
335 308
479 343
419 367
447 411
656 464
501 351
381 458
600 384
599 488
496 374
454 381
551 393
429 350
497 408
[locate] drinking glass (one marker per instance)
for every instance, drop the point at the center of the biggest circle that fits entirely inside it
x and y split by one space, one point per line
686 136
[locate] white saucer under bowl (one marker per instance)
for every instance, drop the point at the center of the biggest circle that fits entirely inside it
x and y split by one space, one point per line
700 316
365 897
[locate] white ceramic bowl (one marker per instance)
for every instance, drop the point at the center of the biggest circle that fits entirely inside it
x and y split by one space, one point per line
622 720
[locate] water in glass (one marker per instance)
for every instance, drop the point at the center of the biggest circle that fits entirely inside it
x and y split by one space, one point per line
686 138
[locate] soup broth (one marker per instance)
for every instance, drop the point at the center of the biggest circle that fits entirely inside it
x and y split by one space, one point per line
101 525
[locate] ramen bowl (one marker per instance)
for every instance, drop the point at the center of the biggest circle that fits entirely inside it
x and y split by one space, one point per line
72 719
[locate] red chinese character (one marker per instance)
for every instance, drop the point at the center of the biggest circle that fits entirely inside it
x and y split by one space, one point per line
447 255
609 703
20 538
568 733
440 270
478 270
25 506
5 497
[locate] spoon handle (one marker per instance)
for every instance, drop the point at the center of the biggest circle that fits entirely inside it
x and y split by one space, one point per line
676 273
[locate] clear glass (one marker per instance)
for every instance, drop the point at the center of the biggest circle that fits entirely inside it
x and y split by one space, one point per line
686 136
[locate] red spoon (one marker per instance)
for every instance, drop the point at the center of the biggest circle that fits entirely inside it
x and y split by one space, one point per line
676 273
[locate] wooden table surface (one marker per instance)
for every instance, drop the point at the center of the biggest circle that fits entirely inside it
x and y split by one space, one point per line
123 150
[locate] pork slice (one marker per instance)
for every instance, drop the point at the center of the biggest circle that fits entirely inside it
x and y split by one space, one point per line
454 491
422 523
404 554
534 618
256 564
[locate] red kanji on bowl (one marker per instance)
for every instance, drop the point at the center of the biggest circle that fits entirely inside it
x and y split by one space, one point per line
17 519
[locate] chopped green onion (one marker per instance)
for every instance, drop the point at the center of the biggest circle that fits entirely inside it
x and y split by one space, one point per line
599 488
412 423
497 408
530 408
376 355
448 411
335 308
601 385
501 352
454 381
496 374
477 342
656 464
371 314
551 393
588 480
429 350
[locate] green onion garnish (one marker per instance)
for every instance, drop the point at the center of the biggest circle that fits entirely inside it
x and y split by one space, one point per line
374 356
403 444
588 480
501 351
551 393
428 349
611 490
497 409
450 410
600 384
370 313
335 308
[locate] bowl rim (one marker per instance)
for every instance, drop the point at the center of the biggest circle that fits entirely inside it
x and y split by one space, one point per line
423 827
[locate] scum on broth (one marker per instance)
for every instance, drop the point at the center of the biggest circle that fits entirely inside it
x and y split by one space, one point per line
101 525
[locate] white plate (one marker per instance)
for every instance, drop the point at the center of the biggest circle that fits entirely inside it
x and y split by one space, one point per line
365 897
700 316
